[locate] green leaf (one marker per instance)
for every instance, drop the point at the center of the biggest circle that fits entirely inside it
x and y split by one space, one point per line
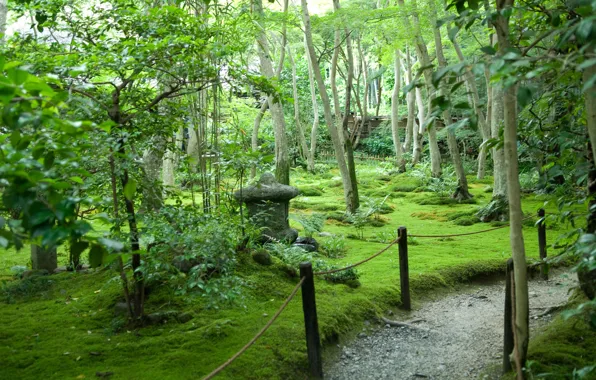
130 189
587 63
439 74
76 179
111 244
524 96
488 50
48 160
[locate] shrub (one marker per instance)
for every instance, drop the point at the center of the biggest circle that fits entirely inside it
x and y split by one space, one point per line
334 247
310 223
181 239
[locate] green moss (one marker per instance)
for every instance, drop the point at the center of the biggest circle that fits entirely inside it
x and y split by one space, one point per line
325 207
53 327
439 201
562 347
404 188
311 191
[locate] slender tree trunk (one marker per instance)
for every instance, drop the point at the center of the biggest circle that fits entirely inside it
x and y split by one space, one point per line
364 65
343 127
424 58
168 167
3 15
152 165
411 126
462 192
254 141
299 127
399 161
282 160
484 127
521 325
315 108
418 133
590 102
379 91
351 204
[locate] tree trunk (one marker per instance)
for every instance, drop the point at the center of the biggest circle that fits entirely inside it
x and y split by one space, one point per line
462 192
299 128
418 133
168 167
351 202
399 161
364 115
423 56
254 141
152 167
411 102
484 128
590 102
282 160
521 317
315 108
3 14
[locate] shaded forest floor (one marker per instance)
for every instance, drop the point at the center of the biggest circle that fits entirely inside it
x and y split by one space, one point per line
63 326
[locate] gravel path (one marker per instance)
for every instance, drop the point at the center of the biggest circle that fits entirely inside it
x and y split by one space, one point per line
461 335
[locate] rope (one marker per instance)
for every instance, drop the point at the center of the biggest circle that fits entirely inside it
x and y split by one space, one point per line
467 233
243 349
360 262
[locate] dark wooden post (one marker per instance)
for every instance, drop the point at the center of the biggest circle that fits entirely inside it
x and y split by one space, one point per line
404 273
311 324
508 319
542 245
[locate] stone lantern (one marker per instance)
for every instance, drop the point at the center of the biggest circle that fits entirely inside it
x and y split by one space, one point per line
268 203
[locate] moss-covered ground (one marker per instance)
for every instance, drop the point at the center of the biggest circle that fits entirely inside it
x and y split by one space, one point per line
63 326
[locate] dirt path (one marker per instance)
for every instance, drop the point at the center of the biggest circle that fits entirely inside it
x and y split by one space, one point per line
461 336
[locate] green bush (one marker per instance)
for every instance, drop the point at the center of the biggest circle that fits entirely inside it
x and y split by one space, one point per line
334 247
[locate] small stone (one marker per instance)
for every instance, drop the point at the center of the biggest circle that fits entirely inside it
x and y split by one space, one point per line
387 325
533 294
362 335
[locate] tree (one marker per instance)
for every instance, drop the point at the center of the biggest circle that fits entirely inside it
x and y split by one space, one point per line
349 195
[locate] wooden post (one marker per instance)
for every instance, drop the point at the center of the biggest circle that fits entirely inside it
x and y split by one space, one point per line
311 324
508 318
542 245
404 274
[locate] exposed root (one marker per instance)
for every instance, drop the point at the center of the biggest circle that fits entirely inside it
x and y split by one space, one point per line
409 324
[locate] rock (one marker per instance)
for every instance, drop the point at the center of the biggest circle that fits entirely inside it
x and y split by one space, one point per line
34 273
60 269
183 264
362 335
262 257
306 247
184 317
309 241
121 309
267 203
44 258
325 234
289 270
587 280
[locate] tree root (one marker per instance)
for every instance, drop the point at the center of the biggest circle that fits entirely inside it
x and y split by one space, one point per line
409 324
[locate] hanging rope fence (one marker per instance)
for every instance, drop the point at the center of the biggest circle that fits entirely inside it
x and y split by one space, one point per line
259 334
466 233
359 262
